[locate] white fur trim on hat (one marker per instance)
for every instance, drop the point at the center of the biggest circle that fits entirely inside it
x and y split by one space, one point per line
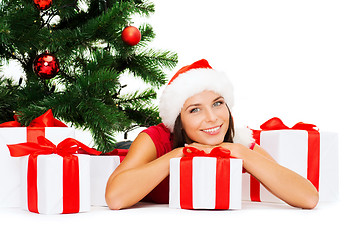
187 85
243 136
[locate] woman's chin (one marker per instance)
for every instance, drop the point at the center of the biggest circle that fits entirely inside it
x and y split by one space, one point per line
212 142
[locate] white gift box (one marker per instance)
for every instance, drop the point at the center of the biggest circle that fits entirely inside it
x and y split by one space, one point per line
101 167
50 183
204 183
289 148
10 167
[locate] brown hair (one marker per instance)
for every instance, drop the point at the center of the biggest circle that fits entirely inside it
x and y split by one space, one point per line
180 137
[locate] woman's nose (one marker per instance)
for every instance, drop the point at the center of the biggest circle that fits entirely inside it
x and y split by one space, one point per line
210 115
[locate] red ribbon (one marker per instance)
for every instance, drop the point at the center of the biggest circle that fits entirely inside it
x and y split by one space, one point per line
312 156
222 176
118 152
37 126
45 120
64 149
14 123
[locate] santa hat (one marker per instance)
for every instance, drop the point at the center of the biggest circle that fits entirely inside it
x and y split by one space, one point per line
187 82
193 79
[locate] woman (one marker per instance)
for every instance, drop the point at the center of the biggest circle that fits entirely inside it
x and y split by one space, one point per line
195 110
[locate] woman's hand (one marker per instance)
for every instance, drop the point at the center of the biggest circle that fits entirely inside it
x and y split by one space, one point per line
203 147
236 149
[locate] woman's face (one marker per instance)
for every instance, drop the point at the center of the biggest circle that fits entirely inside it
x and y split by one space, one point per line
205 118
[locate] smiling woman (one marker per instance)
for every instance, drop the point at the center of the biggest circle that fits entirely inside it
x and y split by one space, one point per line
195 109
205 118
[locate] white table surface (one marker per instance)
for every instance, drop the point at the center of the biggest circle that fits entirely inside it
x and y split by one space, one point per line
158 221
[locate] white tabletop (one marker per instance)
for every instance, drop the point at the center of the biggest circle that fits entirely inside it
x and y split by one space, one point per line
158 221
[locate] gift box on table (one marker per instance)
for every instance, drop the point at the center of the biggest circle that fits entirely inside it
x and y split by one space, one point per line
101 168
205 181
304 150
54 179
12 133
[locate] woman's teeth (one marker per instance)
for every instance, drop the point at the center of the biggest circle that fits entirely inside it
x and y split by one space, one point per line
212 129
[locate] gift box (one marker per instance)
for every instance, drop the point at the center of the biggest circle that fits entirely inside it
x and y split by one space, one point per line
11 133
51 195
304 150
205 181
101 168
54 179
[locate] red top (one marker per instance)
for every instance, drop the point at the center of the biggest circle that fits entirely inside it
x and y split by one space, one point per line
162 139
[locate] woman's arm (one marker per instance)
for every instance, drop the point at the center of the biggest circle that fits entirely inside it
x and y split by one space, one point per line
139 173
284 183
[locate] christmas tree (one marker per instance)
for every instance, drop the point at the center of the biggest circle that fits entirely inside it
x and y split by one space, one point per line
73 54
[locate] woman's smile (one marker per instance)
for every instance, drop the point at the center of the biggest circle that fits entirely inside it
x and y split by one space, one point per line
213 130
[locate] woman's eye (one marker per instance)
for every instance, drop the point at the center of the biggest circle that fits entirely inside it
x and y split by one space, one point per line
216 104
194 110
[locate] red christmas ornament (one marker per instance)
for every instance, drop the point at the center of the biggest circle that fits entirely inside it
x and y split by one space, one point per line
43 4
131 35
46 65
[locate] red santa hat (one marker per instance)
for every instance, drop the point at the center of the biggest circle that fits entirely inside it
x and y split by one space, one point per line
187 82
193 79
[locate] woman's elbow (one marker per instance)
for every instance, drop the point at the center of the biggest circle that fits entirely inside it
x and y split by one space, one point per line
311 201
112 197
114 205
113 202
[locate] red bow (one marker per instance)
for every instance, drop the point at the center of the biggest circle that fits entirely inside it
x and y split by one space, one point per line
44 146
66 149
45 120
14 123
215 152
277 124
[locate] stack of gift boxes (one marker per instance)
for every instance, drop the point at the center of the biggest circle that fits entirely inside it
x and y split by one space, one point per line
41 171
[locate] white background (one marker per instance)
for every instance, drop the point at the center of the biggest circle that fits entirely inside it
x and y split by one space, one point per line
286 59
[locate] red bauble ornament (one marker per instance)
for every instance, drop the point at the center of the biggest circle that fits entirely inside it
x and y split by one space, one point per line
131 35
46 65
43 4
